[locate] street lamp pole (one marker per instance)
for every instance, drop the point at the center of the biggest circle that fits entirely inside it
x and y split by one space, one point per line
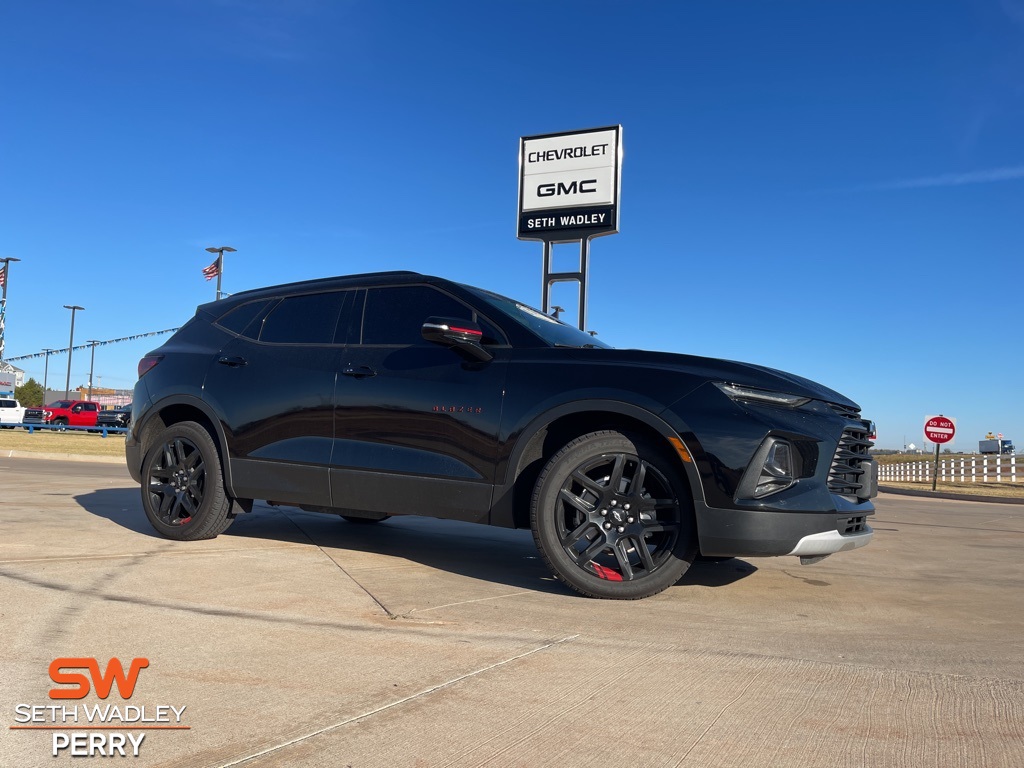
220 251
6 274
46 370
92 363
71 347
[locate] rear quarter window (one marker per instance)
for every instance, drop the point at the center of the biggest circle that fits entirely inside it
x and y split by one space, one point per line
239 319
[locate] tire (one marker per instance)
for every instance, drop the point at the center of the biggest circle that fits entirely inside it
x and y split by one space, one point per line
183 486
612 518
61 424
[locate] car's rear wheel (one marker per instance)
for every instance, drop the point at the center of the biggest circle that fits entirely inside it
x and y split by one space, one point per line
612 518
182 484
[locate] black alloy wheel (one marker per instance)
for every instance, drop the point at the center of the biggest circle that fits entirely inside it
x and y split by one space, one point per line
183 488
612 517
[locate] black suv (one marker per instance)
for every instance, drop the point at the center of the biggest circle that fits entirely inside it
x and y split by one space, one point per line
401 394
115 417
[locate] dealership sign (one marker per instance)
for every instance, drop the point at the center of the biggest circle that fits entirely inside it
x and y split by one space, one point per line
569 184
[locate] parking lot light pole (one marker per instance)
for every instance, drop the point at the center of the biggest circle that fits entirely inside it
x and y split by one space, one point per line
46 369
71 347
92 363
220 251
6 274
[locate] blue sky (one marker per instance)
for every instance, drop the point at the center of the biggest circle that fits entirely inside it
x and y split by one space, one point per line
831 188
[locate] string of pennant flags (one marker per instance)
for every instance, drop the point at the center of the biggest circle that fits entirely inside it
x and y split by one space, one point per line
210 272
89 346
215 269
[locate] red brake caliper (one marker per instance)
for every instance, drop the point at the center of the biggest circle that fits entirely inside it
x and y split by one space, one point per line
605 573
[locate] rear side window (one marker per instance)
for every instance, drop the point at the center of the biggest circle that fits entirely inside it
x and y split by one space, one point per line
6 404
309 319
239 318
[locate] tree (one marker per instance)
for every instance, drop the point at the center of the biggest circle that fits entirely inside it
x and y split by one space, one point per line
29 394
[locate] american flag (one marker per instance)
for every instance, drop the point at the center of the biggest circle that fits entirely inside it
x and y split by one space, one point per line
209 272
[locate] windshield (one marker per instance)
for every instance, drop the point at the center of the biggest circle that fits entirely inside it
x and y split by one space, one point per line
60 404
553 331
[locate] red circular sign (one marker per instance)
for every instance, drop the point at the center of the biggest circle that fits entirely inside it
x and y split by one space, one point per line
939 429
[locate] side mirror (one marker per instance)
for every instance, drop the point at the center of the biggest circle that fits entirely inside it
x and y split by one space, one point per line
77 409
462 335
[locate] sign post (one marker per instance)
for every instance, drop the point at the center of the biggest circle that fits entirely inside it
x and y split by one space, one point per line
939 429
569 191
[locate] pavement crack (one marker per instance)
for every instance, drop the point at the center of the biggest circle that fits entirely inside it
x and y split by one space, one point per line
390 614
464 602
400 702
719 716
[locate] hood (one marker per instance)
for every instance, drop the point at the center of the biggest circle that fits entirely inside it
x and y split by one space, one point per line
714 369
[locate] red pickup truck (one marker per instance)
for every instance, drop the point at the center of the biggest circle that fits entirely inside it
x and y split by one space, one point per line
72 413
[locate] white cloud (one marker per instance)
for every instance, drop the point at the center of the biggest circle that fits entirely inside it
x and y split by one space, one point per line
1008 173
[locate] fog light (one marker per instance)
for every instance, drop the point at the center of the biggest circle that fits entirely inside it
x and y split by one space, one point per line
775 467
777 472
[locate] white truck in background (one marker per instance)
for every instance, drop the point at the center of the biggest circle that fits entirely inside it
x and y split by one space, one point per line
11 412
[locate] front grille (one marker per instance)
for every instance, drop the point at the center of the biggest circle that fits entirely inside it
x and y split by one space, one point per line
848 525
845 476
33 416
845 411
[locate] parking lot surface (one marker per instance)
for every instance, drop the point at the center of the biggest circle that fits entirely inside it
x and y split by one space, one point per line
298 639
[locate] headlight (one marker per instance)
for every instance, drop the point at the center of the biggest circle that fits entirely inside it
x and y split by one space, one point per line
736 392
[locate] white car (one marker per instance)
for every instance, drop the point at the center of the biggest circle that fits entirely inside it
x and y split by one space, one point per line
11 412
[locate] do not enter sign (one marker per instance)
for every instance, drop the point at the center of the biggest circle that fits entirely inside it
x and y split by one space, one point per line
939 429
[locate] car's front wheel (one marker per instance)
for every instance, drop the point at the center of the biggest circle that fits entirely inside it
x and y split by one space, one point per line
182 484
612 518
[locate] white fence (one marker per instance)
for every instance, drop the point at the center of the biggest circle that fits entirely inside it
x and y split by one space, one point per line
961 469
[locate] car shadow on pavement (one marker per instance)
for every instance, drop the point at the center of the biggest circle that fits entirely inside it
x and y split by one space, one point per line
497 555
119 505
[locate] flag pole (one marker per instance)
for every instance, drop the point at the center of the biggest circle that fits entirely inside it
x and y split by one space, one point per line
220 271
220 262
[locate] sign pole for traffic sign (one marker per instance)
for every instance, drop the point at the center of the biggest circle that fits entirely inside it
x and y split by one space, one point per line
935 472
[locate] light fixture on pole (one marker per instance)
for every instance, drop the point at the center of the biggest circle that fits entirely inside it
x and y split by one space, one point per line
4 280
71 347
92 363
46 369
220 251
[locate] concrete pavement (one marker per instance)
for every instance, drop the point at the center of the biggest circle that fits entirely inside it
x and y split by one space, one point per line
297 639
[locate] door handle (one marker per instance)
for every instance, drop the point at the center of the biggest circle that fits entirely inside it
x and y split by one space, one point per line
232 362
360 372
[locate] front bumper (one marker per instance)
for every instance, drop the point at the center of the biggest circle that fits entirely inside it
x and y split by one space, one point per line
772 533
830 542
